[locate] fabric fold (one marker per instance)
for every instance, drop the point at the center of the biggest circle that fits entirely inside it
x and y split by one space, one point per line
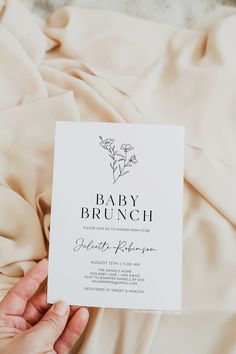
26 155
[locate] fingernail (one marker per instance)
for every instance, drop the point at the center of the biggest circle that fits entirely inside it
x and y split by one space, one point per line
60 308
84 314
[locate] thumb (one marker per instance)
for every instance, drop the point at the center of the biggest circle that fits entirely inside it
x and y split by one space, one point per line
51 326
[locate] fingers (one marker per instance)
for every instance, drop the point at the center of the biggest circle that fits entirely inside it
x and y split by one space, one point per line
36 308
51 326
73 309
73 331
15 301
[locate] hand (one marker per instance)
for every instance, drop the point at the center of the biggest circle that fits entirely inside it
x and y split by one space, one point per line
29 325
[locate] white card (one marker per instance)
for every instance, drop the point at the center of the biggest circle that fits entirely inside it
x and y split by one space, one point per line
116 223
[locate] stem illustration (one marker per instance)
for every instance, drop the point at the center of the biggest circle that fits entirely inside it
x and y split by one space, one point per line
120 161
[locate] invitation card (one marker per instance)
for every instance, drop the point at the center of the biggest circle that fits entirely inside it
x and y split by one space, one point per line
116 222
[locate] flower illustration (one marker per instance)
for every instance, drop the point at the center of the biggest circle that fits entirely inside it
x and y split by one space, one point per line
106 143
126 147
120 162
133 159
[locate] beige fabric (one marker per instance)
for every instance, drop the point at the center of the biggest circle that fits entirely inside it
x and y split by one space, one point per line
100 66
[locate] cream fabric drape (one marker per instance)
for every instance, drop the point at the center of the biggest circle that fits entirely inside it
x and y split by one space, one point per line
92 65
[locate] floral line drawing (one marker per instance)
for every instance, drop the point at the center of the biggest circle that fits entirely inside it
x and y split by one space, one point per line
120 161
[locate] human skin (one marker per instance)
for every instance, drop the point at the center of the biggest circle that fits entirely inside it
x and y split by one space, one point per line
31 326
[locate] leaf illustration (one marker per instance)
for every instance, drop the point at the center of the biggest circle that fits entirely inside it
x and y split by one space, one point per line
124 173
119 161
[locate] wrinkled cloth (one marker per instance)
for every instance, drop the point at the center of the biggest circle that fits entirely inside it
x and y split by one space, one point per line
91 65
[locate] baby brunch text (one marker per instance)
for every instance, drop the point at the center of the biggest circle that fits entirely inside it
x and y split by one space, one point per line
121 207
